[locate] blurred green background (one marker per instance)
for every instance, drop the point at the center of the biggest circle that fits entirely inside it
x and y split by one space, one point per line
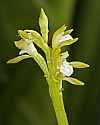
24 97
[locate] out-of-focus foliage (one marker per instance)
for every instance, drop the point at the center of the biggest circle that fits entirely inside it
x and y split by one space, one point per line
24 97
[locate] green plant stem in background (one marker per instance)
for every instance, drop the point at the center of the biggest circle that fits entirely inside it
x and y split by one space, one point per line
56 92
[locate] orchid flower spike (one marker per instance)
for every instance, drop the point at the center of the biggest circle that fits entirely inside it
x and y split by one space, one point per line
55 66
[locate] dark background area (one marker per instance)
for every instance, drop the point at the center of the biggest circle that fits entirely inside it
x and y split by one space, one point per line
24 97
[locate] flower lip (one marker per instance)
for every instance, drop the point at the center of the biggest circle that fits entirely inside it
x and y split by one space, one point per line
30 48
66 69
26 46
22 52
65 38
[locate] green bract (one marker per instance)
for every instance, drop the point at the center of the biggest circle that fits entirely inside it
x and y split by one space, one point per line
55 66
43 23
18 59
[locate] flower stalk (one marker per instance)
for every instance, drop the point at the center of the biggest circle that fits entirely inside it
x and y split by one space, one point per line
55 67
56 93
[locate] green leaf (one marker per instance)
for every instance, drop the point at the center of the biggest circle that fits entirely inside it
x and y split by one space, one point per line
57 34
77 64
73 81
43 23
38 40
18 59
41 62
67 42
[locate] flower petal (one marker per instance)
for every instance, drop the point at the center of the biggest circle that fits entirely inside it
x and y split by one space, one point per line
64 55
21 44
22 52
65 38
43 22
77 64
67 42
23 34
57 35
73 81
26 46
18 59
37 39
68 31
66 69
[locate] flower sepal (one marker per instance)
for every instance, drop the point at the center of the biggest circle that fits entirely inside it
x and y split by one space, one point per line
68 31
38 40
67 42
64 56
24 35
18 59
77 64
57 35
73 81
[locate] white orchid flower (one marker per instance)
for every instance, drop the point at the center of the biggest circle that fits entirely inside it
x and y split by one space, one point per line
67 69
62 37
28 50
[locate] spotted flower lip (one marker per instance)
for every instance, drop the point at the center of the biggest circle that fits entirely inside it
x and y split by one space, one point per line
65 38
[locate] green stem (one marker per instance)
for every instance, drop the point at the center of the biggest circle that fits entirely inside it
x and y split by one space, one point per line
56 93
57 100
